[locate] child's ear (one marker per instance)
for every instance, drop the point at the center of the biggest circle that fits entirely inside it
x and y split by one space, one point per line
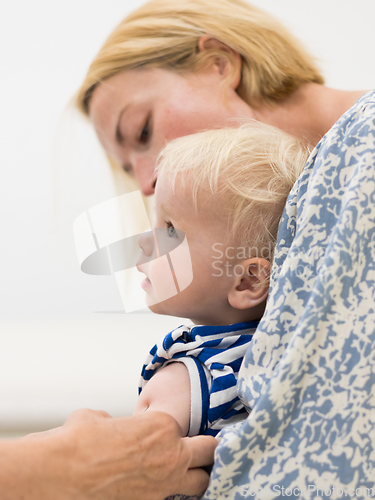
251 288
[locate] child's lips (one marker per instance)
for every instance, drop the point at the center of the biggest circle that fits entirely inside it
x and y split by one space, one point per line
146 284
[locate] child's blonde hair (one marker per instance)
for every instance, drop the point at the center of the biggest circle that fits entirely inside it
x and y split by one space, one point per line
253 168
165 34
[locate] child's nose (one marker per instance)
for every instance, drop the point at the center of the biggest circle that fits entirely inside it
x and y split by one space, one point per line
146 242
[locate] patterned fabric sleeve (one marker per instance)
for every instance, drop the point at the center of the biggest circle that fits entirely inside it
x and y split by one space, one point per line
309 374
212 356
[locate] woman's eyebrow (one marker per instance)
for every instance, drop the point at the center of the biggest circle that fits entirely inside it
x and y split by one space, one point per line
119 136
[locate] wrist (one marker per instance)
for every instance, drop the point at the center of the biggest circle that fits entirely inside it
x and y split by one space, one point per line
33 468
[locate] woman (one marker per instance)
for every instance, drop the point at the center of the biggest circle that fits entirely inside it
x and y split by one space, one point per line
96 456
186 55
170 69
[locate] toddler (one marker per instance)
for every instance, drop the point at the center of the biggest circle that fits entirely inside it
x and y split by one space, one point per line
224 191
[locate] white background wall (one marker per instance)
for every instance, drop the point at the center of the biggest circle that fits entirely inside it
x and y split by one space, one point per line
52 169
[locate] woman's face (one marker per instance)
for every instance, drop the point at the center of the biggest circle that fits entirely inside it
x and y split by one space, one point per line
135 113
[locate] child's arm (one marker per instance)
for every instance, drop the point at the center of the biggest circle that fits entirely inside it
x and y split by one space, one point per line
168 391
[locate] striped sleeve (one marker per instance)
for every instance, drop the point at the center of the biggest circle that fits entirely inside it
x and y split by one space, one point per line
212 356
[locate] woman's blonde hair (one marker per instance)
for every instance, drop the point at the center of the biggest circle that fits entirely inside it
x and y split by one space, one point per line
251 168
165 34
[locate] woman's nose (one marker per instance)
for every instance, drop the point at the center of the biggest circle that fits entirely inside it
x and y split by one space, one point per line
144 171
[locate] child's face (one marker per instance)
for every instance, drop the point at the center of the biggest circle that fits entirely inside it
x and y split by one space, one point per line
205 300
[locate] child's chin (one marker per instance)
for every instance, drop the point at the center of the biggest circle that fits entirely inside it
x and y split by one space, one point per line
159 308
155 308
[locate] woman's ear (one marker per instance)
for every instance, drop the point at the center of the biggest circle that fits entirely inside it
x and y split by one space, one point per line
223 64
250 288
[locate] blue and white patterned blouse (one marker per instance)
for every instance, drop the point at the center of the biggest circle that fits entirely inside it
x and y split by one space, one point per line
212 356
309 374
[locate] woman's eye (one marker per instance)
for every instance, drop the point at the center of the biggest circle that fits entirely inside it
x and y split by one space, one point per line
128 169
143 138
172 233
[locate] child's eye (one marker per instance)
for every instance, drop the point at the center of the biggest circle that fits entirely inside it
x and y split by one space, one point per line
171 231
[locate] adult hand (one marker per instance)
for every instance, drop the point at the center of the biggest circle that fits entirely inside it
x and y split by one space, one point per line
94 456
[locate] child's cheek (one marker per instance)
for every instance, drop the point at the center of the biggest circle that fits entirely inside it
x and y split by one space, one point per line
162 279
182 264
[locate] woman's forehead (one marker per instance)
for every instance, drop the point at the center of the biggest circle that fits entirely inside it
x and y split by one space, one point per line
133 84
117 91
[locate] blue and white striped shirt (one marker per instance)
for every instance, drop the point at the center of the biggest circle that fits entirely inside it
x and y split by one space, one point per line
213 356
